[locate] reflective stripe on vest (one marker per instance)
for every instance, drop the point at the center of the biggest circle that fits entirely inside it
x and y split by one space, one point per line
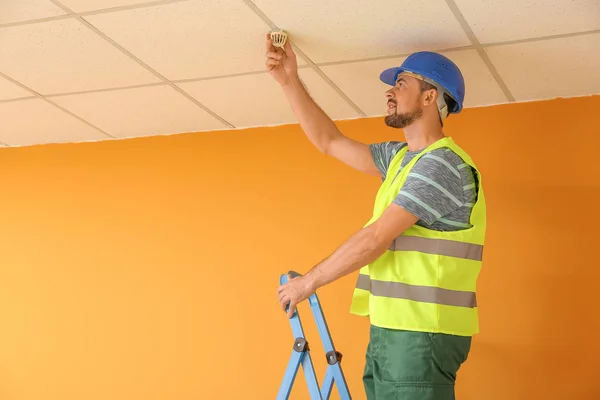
426 294
442 247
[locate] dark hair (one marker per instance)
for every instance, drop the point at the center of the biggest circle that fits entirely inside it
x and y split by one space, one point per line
447 99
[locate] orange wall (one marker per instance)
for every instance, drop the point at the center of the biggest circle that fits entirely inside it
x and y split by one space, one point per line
147 268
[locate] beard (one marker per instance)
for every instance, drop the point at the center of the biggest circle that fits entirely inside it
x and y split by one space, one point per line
403 120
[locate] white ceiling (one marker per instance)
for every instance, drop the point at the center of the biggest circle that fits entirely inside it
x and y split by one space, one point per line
88 70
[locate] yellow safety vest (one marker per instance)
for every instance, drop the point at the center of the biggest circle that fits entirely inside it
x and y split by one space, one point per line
426 280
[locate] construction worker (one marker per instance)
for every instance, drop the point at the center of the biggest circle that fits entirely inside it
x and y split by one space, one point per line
420 254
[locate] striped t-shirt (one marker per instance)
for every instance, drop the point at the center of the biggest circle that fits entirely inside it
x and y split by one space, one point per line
440 190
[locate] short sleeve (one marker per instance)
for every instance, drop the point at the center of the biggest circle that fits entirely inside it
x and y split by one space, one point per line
383 153
433 188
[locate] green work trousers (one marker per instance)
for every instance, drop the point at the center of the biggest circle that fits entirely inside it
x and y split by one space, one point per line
405 365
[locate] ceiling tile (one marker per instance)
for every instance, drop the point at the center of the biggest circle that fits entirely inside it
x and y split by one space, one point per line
50 124
548 69
9 90
250 100
175 39
360 81
154 110
333 31
481 89
65 56
503 20
26 10
257 100
327 98
80 6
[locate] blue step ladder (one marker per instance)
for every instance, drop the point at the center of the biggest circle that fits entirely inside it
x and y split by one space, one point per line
301 355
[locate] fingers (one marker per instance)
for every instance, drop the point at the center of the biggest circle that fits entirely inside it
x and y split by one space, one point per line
292 309
273 60
272 63
272 55
285 299
287 294
281 296
281 288
283 302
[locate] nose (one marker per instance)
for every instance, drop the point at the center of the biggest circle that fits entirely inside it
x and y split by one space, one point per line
389 94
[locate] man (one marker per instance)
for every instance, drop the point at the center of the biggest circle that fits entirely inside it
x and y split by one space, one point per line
420 254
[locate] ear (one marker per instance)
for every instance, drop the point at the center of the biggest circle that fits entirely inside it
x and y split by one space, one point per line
430 97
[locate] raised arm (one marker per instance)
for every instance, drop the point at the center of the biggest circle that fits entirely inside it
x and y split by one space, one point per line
318 127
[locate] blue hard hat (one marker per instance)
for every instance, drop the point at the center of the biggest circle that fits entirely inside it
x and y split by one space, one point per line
435 67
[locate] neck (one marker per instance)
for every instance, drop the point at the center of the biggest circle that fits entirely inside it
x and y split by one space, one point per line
420 134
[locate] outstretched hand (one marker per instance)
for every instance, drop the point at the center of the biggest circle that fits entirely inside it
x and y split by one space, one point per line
281 64
293 292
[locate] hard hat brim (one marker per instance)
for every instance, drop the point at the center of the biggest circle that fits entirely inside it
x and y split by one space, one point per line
389 75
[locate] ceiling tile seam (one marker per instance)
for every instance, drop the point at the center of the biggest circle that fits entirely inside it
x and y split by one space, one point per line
391 56
79 118
117 46
110 89
143 85
202 106
300 53
541 38
214 77
330 82
18 99
495 74
37 95
35 21
19 84
72 14
484 56
129 7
